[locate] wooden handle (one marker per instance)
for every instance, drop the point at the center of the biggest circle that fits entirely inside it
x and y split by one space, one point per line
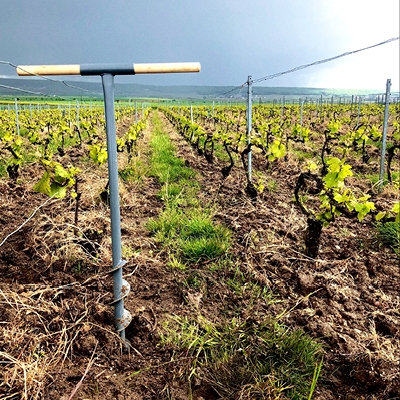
166 68
26 70
115 69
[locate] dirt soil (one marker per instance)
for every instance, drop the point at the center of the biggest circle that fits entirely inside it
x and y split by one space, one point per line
56 322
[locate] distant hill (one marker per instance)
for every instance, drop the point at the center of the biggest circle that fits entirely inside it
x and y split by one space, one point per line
44 87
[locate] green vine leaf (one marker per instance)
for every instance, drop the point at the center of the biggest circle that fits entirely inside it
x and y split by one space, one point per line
277 149
396 210
363 209
338 172
98 153
58 191
43 186
56 179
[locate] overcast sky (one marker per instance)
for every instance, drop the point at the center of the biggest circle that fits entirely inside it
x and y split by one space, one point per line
230 38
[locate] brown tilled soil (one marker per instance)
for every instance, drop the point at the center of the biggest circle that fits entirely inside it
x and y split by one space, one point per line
56 324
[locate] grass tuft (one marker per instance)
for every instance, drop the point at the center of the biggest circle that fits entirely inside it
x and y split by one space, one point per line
247 359
188 230
388 234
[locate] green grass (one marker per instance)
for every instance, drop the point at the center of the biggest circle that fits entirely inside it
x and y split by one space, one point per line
186 229
166 226
240 358
165 166
247 359
221 154
247 289
202 249
388 234
3 170
134 171
303 155
374 179
192 234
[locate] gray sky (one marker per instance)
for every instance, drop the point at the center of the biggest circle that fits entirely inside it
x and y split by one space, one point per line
230 38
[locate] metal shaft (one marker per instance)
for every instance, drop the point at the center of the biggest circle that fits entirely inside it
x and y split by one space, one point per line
249 124
121 287
385 122
16 116
301 119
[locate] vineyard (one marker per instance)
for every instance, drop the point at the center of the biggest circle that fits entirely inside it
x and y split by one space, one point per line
274 280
